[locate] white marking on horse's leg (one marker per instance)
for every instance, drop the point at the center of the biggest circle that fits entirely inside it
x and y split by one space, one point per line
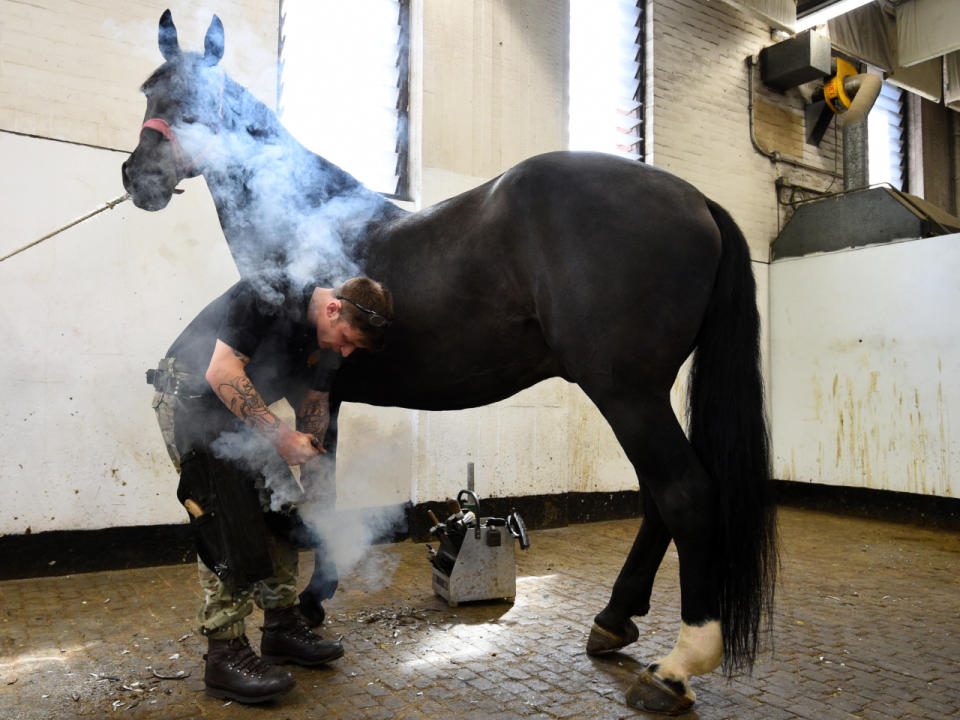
699 650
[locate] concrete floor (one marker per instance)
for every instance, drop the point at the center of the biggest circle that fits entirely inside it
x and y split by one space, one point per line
867 626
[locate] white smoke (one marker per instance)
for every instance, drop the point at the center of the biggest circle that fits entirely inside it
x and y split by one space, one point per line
347 535
275 199
257 456
373 490
267 211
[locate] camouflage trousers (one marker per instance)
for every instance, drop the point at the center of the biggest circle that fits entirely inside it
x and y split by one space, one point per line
222 611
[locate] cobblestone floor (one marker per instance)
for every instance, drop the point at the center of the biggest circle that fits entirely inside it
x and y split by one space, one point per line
867 626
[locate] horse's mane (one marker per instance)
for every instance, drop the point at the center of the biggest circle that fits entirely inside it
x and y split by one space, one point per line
243 108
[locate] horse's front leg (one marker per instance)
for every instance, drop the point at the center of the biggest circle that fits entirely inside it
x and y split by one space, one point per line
613 627
319 480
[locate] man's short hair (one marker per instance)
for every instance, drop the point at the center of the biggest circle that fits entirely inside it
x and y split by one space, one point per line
367 306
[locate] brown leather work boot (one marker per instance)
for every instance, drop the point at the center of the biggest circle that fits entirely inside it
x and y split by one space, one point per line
235 672
287 638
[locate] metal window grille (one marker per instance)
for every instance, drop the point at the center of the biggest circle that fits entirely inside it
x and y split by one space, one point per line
885 137
343 89
607 72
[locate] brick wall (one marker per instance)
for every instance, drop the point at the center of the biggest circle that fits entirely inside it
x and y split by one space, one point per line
70 70
700 119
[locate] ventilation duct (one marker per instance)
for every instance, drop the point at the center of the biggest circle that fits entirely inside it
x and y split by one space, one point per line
848 94
864 89
859 218
795 61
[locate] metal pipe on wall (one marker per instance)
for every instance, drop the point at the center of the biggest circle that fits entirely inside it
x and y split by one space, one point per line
865 89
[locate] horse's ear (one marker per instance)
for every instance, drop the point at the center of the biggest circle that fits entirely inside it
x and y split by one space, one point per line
213 42
169 45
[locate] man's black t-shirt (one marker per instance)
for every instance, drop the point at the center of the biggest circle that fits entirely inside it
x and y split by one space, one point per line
267 322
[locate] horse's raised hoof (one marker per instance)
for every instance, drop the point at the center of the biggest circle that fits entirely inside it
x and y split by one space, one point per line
602 641
311 609
658 695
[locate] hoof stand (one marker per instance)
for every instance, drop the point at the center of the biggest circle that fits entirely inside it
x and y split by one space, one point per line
653 694
603 641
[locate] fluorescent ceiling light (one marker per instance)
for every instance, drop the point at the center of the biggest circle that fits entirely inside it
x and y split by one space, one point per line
828 13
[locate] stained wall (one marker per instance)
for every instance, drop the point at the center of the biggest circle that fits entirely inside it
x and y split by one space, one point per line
866 366
83 315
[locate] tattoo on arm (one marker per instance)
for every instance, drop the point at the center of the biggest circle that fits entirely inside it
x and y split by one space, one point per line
245 402
314 416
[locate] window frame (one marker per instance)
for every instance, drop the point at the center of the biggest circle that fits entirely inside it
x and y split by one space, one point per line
402 190
635 118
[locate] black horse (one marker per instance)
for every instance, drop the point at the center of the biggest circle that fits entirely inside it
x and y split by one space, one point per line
602 271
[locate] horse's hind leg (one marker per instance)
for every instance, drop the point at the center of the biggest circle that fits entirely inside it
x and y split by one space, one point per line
686 499
613 628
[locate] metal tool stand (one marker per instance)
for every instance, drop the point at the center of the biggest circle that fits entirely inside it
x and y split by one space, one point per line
485 568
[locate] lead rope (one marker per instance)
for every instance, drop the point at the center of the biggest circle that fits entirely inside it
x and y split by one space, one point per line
126 196
107 206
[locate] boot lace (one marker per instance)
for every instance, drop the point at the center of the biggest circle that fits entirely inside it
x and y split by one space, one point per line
299 629
296 627
246 660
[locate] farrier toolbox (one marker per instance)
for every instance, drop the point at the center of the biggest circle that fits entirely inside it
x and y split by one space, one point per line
475 558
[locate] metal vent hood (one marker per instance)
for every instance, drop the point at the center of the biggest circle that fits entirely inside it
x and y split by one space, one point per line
859 218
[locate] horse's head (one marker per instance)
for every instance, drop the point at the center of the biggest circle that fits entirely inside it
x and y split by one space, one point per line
184 114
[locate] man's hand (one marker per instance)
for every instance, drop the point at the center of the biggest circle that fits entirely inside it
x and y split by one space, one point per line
296 448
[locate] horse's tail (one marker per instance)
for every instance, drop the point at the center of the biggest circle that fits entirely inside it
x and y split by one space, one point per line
728 431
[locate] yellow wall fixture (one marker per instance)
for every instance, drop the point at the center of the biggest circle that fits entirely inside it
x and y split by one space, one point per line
833 91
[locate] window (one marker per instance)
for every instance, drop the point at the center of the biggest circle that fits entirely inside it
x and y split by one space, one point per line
343 86
885 137
607 76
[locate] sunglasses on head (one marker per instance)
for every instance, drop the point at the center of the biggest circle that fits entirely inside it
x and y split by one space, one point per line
373 317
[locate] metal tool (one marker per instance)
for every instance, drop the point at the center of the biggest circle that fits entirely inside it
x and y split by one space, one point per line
476 557
518 529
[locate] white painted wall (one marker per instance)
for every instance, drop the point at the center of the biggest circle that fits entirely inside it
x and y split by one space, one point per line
89 311
84 314
492 91
866 367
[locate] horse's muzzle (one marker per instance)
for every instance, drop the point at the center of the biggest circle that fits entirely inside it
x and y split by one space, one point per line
148 192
